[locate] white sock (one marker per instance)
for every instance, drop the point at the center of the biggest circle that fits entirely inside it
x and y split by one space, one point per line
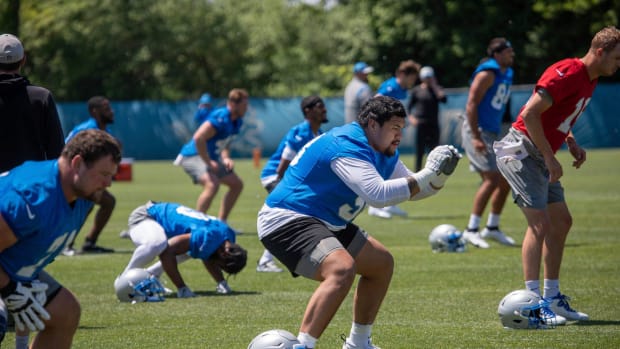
21 342
359 334
493 220
306 340
533 285
474 222
266 257
551 288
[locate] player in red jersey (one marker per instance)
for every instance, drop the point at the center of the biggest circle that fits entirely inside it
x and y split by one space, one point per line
526 157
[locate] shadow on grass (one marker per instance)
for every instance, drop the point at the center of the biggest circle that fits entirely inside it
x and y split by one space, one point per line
598 323
215 294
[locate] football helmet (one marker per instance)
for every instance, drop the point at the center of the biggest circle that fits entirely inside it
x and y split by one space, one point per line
521 309
275 339
138 285
446 238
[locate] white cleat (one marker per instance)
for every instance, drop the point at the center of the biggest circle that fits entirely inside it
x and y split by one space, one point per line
559 305
379 212
497 235
268 267
395 210
474 238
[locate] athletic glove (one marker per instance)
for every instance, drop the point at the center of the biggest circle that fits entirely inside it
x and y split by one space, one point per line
443 159
185 292
223 288
22 303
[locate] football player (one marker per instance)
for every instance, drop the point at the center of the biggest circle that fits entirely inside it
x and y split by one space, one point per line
176 233
306 221
43 206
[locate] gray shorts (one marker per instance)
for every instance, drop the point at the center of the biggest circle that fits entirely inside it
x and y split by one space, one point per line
139 214
479 162
302 244
529 177
196 168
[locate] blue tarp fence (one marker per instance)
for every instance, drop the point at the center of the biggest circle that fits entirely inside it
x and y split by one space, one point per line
151 130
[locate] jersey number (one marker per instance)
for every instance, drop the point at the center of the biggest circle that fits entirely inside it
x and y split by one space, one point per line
28 270
579 108
501 96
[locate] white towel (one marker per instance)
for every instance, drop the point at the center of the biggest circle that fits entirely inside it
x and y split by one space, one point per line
509 151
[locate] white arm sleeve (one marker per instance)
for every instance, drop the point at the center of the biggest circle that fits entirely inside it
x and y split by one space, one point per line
288 153
364 180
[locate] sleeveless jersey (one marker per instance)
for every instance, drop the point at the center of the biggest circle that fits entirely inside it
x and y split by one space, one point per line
89 124
491 108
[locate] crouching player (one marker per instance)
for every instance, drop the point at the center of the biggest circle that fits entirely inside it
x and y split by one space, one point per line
176 233
43 205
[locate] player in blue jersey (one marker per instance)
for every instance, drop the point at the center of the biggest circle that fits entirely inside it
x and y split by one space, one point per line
101 115
306 221
488 94
315 114
176 233
204 109
397 87
206 157
43 206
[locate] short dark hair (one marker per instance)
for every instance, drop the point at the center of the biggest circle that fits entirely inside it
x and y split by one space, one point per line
235 259
381 109
408 67
92 145
95 102
310 102
11 66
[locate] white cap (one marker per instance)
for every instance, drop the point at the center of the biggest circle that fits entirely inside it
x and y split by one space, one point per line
11 49
426 72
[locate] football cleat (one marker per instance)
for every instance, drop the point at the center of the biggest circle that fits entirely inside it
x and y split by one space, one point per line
497 235
474 238
379 212
395 210
559 305
268 267
368 345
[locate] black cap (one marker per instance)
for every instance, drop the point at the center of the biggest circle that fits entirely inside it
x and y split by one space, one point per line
310 102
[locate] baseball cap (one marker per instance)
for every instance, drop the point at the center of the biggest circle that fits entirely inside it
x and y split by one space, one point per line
205 99
426 72
11 49
362 67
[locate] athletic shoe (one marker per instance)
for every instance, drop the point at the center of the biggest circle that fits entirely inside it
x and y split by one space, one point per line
69 252
349 345
559 305
549 317
95 249
268 267
395 210
379 212
497 235
185 292
124 234
474 238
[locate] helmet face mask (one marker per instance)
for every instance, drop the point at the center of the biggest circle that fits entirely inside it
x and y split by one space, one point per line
521 309
446 238
138 285
275 339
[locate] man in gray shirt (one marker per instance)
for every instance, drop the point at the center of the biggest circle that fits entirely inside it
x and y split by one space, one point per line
357 91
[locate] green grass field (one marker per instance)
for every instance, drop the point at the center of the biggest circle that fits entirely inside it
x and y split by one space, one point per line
434 301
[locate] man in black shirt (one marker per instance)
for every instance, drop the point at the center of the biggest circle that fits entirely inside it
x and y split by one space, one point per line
29 125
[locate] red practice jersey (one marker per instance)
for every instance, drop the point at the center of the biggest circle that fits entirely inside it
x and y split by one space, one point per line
569 85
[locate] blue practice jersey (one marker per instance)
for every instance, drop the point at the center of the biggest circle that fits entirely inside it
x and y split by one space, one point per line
35 208
310 186
295 139
207 232
202 114
91 123
491 108
391 88
225 129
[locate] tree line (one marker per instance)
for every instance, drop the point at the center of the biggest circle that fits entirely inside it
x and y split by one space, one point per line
178 49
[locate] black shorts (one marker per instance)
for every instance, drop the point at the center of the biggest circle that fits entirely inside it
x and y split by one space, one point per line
302 244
